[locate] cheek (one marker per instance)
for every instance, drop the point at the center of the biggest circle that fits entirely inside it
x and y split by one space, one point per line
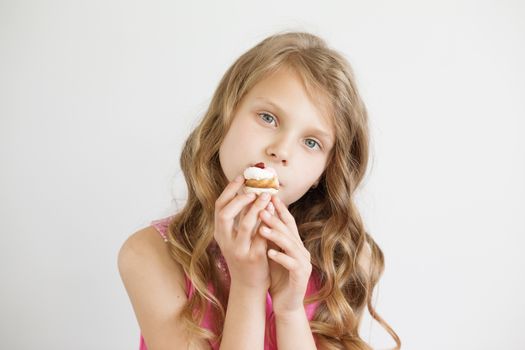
312 172
244 134
234 135
239 139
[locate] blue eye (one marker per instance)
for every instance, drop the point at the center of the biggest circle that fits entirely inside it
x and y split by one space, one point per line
315 143
263 114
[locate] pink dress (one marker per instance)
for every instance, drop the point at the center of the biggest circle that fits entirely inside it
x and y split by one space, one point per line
270 340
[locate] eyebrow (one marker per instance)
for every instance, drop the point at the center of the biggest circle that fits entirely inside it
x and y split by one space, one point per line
323 133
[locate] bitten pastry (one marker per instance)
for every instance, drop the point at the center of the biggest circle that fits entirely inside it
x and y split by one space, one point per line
259 179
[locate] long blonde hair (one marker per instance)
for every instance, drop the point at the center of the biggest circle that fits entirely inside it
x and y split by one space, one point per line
327 217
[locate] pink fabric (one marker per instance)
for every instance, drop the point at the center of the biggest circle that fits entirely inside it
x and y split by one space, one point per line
270 340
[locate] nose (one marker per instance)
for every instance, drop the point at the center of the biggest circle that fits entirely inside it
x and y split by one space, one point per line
284 161
279 151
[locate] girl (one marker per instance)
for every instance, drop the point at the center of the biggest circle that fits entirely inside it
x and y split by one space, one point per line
293 270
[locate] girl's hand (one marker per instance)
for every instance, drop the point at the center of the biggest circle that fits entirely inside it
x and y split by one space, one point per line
290 269
243 250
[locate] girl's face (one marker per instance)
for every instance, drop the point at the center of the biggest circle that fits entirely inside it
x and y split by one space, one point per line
276 123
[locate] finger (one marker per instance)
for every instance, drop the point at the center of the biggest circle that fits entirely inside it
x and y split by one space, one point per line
271 208
244 210
285 216
270 243
259 245
239 217
225 217
283 242
282 210
229 192
281 258
248 224
275 223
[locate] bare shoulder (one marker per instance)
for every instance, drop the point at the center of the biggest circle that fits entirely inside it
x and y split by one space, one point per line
156 288
144 250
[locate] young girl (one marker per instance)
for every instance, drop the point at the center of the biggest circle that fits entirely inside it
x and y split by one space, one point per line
293 270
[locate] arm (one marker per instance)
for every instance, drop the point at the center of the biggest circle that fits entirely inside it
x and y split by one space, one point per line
294 328
244 325
293 331
156 288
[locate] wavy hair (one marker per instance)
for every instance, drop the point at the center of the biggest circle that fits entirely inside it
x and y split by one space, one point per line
326 216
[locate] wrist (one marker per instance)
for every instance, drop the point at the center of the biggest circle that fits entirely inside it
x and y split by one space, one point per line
240 288
290 316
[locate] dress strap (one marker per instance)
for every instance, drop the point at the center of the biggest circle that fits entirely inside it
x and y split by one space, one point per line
161 225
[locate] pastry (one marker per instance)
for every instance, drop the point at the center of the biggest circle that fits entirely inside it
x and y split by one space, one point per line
259 179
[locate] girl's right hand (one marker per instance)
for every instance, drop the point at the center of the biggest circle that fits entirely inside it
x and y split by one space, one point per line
242 247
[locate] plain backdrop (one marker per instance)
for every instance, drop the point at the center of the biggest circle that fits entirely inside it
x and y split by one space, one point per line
97 97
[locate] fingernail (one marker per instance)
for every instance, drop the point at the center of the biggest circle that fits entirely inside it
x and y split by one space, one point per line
265 214
265 196
239 178
271 208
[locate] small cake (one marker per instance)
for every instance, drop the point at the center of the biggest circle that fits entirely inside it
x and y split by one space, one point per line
259 179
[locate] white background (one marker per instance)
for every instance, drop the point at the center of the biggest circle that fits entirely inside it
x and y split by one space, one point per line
97 97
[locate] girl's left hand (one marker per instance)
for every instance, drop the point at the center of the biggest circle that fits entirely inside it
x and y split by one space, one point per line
291 268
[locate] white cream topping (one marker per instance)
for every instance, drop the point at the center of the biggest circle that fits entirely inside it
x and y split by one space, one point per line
259 174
